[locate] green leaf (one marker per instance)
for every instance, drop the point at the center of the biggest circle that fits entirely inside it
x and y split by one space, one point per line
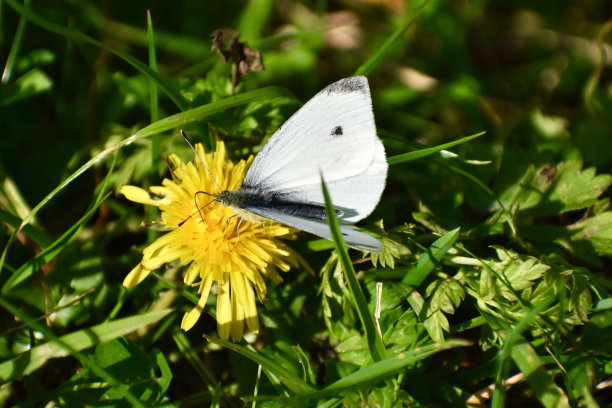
34 264
603 304
444 296
254 19
353 348
517 348
587 239
518 271
392 247
596 231
164 368
32 83
556 189
581 370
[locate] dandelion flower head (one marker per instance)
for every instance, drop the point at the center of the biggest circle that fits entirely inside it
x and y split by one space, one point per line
217 256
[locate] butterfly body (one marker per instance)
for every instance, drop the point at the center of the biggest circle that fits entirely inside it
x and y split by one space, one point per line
247 199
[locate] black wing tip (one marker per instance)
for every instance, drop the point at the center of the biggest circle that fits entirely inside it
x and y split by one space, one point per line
349 85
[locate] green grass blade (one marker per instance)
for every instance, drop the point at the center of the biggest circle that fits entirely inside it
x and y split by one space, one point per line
29 84
491 193
41 238
153 106
176 121
602 304
290 380
530 364
375 344
190 354
254 19
29 361
181 45
34 18
390 365
274 94
542 383
30 267
430 258
14 52
51 251
154 114
70 345
406 157
377 56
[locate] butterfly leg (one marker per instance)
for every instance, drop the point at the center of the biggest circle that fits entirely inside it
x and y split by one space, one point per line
238 232
227 223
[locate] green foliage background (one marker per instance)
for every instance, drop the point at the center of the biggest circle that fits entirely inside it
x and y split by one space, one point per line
495 270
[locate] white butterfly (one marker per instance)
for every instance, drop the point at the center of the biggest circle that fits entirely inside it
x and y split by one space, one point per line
334 136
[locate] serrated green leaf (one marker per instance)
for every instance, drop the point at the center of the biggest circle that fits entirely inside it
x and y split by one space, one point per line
444 296
405 330
519 271
353 349
597 231
392 248
556 189
435 324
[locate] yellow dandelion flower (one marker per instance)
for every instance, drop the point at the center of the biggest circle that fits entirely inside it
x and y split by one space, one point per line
209 245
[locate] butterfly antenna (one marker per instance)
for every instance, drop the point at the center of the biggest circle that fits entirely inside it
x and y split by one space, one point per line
199 209
201 161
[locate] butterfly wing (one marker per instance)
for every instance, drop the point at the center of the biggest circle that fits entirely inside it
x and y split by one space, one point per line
352 237
333 134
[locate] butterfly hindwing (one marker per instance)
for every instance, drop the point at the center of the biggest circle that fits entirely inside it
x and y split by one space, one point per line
320 228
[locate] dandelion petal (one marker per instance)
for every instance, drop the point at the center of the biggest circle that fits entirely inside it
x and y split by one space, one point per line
136 276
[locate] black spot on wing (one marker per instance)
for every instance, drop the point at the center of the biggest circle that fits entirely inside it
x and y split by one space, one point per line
349 85
337 131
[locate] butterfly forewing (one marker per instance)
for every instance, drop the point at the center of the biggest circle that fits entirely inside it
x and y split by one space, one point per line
333 135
